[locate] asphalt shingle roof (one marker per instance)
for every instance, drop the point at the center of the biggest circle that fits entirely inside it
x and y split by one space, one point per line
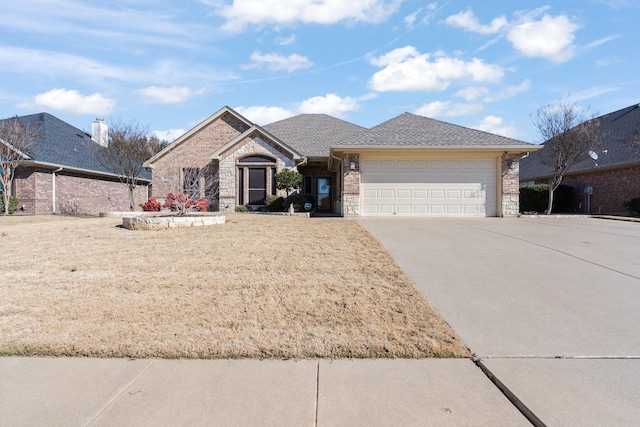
63 144
615 130
412 130
312 134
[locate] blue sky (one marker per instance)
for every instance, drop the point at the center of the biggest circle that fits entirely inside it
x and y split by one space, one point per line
168 65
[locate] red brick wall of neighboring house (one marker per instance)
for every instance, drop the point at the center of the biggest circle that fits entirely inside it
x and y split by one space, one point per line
611 189
75 194
193 152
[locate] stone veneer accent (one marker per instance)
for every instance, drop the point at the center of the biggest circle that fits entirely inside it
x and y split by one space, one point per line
510 185
165 222
228 167
351 184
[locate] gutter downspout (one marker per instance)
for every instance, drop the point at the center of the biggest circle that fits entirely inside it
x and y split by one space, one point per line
53 190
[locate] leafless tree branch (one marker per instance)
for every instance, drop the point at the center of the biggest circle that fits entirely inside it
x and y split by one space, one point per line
569 135
17 142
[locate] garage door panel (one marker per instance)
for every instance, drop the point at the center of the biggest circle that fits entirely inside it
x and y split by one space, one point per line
404 193
429 187
437 194
421 194
387 194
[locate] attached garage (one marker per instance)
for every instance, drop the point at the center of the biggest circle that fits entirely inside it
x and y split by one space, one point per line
458 187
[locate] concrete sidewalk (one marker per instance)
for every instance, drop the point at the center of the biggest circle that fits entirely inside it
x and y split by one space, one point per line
120 392
551 306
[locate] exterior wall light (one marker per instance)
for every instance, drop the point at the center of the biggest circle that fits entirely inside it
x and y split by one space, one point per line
352 166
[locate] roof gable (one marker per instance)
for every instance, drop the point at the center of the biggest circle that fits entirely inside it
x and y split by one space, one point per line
199 127
410 130
248 133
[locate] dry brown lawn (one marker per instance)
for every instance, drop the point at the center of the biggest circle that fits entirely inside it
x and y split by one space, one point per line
255 287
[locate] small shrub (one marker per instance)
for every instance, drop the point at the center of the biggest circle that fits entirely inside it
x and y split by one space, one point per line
178 202
201 205
151 205
241 208
275 204
288 179
13 204
633 205
535 198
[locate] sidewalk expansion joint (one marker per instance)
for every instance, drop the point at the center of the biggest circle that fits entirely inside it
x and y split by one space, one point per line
515 401
315 417
119 393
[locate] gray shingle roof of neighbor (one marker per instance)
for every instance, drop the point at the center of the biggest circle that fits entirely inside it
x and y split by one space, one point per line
65 145
312 134
616 129
412 130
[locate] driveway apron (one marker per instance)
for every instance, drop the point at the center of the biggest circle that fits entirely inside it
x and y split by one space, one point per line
550 305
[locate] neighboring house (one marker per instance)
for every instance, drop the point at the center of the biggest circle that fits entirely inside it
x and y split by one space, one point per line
63 174
409 165
611 174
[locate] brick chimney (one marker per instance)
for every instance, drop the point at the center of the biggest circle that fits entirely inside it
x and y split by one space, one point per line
100 132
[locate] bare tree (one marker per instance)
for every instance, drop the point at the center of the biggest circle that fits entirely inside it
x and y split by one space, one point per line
569 136
17 142
632 140
194 184
129 146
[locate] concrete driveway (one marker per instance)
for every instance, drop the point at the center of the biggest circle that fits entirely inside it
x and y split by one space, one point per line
550 305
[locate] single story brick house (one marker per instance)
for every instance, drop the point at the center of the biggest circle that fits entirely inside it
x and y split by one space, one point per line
409 165
611 174
63 174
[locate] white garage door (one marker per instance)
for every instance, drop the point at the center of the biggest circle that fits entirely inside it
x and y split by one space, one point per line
429 187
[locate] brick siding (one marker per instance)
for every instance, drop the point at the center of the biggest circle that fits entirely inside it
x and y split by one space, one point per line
611 189
75 193
194 152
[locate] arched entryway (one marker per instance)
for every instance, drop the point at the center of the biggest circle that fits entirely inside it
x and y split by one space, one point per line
256 179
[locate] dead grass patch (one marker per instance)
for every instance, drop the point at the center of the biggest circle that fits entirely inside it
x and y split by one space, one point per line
255 287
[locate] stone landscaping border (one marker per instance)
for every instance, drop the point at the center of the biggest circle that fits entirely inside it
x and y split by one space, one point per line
166 222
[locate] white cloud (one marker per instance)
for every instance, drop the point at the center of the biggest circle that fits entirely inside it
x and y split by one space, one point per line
286 41
494 124
166 95
409 20
262 115
471 93
448 109
550 38
241 13
61 65
509 92
468 22
406 69
169 134
72 101
330 104
277 62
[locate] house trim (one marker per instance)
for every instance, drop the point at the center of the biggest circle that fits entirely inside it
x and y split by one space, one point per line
54 166
216 155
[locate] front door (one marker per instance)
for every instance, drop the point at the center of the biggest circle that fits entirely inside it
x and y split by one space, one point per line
323 194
